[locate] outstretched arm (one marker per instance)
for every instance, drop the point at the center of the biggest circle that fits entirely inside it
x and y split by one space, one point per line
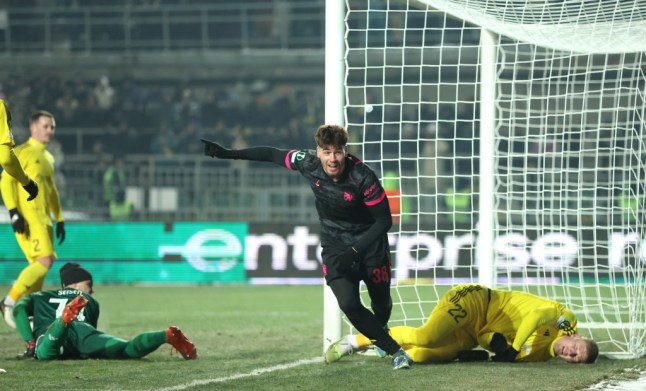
260 154
12 166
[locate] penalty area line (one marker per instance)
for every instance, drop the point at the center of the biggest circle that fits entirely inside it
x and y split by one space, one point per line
255 372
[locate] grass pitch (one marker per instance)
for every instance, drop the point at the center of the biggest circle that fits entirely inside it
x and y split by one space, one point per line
261 338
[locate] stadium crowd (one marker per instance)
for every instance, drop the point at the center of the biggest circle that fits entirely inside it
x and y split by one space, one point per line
128 116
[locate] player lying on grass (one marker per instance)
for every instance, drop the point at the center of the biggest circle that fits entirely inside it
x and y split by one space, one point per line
515 326
65 322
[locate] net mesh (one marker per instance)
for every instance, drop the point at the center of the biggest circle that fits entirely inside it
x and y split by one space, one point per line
569 150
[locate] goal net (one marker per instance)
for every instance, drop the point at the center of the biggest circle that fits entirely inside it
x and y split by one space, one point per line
510 135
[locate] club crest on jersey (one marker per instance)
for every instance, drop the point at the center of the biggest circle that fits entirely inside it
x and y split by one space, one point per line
347 196
300 155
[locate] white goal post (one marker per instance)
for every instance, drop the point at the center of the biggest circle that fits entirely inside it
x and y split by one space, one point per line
514 132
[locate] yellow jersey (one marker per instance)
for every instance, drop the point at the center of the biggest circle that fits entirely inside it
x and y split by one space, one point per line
38 163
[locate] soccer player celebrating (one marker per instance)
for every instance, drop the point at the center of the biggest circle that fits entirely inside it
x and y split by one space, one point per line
65 322
31 221
355 218
516 326
8 159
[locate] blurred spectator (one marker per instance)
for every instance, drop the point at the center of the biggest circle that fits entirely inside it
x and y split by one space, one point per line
120 207
458 202
282 107
188 108
210 109
188 140
165 144
398 204
67 105
629 202
104 94
114 180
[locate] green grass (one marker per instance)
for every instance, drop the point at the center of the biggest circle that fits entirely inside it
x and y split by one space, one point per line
240 329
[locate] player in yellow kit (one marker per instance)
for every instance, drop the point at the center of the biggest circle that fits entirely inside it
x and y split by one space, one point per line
516 326
31 221
8 159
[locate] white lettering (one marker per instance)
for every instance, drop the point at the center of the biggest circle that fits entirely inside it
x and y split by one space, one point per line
416 243
452 247
618 243
223 246
510 251
301 240
278 251
555 251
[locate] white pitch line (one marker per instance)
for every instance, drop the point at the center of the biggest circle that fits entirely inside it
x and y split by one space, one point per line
255 372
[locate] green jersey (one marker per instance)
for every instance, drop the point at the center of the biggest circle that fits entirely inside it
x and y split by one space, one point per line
46 306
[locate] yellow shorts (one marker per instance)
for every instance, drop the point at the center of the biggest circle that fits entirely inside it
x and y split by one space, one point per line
40 242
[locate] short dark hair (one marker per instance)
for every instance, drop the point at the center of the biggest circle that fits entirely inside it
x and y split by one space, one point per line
335 135
593 351
35 116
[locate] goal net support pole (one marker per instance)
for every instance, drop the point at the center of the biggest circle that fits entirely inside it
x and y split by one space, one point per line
334 114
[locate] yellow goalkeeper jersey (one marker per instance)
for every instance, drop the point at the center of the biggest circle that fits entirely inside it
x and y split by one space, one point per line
38 163
7 157
530 323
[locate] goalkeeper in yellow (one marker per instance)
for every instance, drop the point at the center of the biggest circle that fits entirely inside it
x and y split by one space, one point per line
32 221
515 326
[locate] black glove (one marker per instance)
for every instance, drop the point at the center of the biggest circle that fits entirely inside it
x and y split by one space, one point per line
32 189
30 351
509 355
214 150
18 222
348 260
60 232
498 343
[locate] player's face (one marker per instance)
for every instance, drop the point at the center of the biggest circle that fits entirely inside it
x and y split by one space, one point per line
332 159
571 349
43 129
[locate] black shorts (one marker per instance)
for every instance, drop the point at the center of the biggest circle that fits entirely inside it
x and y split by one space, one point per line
376 259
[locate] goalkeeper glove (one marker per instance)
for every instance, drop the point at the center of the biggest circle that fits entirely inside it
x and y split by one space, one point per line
498 343
18 222
503 352
214 150
32 189
60 232
30 351
508 355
